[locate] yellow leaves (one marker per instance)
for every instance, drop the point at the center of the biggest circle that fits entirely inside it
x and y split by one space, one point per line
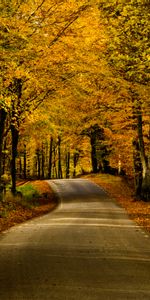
20 73
8 101
16 210
5 103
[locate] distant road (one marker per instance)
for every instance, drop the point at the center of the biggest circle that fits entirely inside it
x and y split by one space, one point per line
87 249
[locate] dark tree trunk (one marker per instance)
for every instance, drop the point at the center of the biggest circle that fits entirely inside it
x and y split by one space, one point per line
137 169
145 189
141 143
35 167
55 175
43 162
50 158
93 152
75 161
96 134
68 164
25 162
15 137
38 164
16 89
3 115
4 158
46 159
59 158
142 172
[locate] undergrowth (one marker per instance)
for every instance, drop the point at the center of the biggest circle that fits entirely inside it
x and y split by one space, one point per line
32 199
28 195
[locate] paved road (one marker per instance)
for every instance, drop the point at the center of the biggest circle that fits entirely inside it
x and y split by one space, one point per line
87 249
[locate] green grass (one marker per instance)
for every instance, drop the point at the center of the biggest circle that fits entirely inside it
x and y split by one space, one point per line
28 195
28 191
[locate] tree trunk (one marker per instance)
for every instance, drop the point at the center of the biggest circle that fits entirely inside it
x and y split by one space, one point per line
75 161
15 88
59 158
93 152
141 144
43 162
38 164
50 158
137 169
145 190
74 165
25 162
46 160
3 115
4 158
54 163
35 167
140 161
68 164
15 137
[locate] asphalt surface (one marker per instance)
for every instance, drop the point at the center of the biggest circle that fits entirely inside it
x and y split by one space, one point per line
87 249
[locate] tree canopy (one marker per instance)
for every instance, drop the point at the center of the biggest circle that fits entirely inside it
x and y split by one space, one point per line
74 87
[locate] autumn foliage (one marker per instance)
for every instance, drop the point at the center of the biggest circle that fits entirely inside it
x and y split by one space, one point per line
39 200
122 191
75 90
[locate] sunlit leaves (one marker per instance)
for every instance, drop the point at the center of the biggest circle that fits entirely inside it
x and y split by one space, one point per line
129 42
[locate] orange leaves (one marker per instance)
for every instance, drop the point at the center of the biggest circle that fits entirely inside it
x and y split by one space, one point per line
13 211
118 188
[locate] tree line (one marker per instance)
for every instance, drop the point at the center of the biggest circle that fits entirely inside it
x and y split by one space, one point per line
75 89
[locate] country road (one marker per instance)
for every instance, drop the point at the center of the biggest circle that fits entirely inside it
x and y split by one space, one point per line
87 249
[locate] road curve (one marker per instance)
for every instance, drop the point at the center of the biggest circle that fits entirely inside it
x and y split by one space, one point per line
87 249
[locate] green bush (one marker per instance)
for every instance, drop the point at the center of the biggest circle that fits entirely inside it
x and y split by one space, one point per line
28 195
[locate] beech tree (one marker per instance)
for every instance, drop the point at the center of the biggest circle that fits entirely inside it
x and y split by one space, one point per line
29 33
128 55
61 78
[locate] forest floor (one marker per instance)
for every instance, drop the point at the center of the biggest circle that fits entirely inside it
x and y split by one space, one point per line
39 199
123 192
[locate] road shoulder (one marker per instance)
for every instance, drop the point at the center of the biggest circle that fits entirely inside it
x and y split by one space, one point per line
119 189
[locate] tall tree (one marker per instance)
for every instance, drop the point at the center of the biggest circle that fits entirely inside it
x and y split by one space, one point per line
29 32
128 55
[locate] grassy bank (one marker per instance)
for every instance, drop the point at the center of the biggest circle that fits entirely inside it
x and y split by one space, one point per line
33 199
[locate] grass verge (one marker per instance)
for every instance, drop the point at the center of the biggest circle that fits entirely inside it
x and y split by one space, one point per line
32 200
119 189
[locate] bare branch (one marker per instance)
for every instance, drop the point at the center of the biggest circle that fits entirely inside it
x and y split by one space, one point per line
38 7
72 19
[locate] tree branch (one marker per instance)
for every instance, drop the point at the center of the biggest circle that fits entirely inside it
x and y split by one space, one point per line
72 19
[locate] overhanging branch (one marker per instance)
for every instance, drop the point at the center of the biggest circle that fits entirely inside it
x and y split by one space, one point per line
73 18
